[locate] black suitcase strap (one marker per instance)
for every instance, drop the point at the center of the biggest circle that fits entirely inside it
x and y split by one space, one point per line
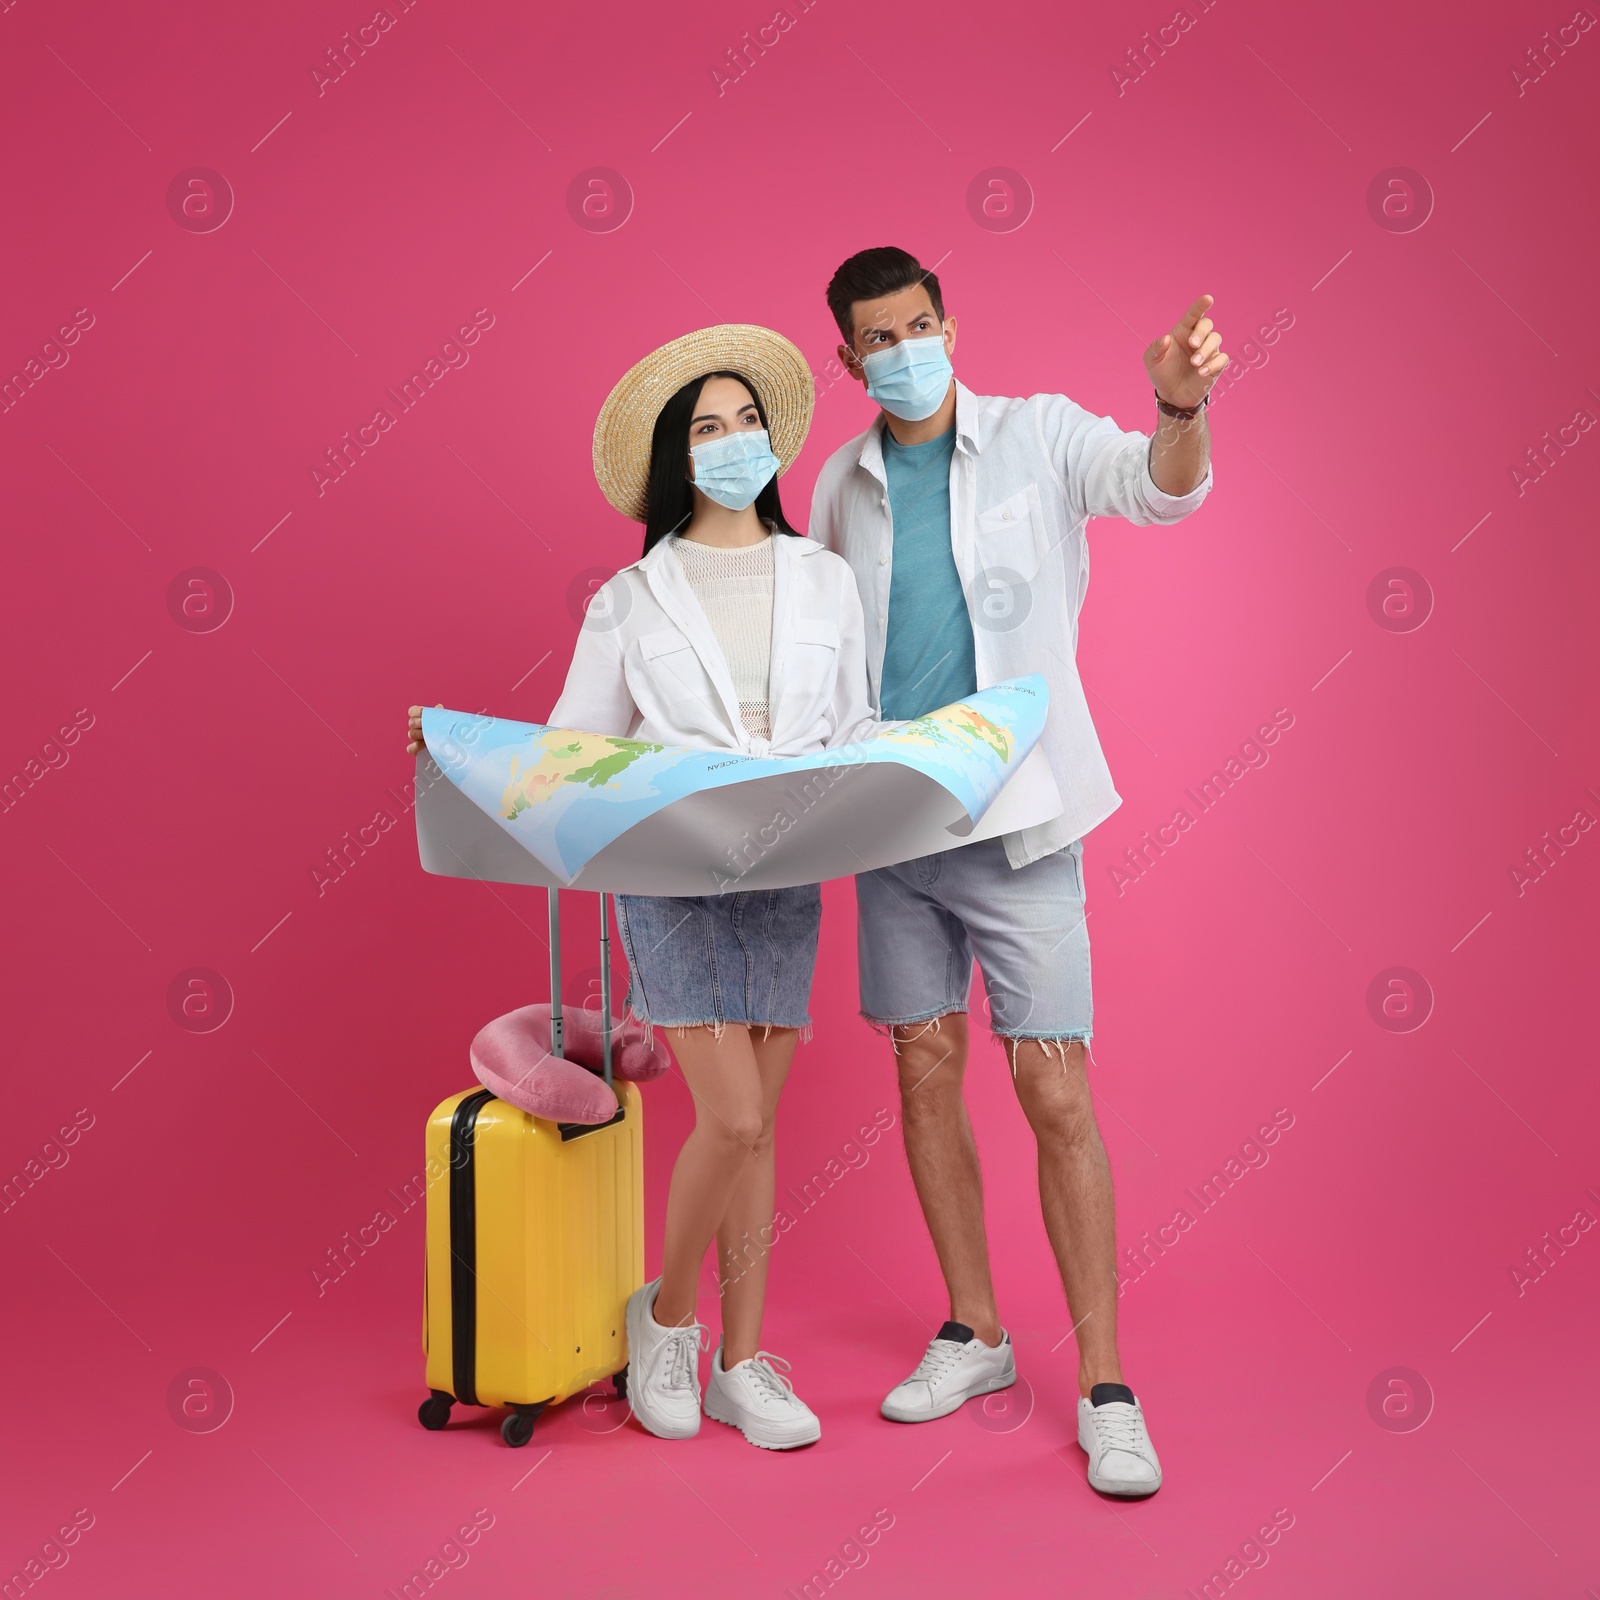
464 1247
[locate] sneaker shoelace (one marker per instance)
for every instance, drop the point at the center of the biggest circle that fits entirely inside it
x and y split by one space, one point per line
676 1364
941 1356
1117 1427
766 1375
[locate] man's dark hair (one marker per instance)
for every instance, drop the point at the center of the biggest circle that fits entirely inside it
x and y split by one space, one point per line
871 274
669 499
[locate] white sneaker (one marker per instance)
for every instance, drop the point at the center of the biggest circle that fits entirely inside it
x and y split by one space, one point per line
958 1366
663 1369
755 1398
1121 1458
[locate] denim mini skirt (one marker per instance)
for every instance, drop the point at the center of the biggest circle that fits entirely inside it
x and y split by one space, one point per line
707 960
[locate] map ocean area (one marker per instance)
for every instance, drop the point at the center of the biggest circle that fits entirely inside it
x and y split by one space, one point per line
603 811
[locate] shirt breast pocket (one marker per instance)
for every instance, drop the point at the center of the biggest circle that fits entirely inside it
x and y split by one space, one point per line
810 668
1011 536
667 681
813 656
663 642
817 630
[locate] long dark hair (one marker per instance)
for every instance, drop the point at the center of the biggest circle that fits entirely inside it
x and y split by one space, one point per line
669 495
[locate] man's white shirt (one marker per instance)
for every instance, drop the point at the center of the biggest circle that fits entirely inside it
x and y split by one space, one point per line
1025 478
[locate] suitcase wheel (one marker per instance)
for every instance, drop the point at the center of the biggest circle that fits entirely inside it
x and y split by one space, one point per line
620 1380
517 1429
434 1412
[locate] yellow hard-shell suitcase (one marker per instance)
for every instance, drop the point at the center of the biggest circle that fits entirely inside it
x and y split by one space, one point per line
535 1240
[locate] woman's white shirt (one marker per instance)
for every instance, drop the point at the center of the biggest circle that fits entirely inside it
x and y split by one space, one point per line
647 664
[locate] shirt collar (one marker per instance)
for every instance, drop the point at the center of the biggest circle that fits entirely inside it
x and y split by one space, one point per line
967 403
649 559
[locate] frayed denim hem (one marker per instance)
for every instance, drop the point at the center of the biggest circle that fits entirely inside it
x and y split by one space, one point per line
884 1024
1050 1043
720 1025
928 1022
1045 1036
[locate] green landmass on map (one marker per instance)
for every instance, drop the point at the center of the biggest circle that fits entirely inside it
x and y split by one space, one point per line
563 756
957 724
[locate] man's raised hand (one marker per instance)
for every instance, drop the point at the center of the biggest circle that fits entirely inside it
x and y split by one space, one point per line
1185 363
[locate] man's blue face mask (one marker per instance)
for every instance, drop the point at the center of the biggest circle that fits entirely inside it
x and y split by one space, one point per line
909 379
734 469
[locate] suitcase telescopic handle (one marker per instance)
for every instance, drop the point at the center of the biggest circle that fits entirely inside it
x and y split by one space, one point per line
556 1025
554 897
605 986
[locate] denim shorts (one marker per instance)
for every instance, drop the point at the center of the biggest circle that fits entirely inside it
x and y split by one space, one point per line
716 958
919 925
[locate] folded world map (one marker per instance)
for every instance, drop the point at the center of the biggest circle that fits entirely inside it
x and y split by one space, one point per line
520 802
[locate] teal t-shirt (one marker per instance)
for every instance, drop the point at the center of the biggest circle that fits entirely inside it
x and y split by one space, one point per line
928 658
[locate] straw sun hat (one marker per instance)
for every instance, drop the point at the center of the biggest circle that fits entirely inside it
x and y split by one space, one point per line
628 418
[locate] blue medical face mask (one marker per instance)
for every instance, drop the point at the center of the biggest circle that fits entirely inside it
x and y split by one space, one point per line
909 379
734 469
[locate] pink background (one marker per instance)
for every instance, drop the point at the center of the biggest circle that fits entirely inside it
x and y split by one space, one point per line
368 223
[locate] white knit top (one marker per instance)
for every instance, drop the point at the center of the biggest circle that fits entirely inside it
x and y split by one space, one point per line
734 588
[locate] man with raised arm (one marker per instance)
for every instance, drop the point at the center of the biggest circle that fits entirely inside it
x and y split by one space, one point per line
963 517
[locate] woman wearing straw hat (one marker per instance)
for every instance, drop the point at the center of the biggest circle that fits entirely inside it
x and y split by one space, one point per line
732 632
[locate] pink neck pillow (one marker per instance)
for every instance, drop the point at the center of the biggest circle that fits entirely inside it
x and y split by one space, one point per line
511 1057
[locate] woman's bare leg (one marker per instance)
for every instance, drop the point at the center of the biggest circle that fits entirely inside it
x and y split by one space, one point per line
744 1237
726 1084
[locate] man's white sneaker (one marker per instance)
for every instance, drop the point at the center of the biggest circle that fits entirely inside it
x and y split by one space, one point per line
958 1366
754 1397
1111 1429
663 1369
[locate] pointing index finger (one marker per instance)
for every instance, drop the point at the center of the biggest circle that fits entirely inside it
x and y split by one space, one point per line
1194 314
